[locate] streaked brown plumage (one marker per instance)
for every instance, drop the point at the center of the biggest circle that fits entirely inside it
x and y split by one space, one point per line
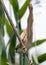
26 35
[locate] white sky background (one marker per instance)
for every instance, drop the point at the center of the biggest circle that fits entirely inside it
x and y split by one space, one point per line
39 24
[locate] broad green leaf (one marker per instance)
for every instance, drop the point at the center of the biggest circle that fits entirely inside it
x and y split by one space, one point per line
21 58
2 20
8 27
1 43
15 8
38 42
35 60
1 10
23 8
19 12
2 30
14 4
12 49
25 60
42 58
3 58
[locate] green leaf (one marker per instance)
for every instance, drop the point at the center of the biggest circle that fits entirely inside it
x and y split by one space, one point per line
1 43
15 8
38 42
23 8
8 27
19 12
12 49
3 58
1 10
42 58
21 58
2 20
35 60
25 60
14 4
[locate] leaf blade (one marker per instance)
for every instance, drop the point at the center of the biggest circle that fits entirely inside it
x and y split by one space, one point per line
12 49
2 20
38 42
3 57
14 4
23 8
42 58
8 27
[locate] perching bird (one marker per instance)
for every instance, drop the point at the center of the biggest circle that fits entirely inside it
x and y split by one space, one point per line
26 35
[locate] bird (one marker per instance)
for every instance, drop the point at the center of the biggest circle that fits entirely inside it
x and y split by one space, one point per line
27 34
